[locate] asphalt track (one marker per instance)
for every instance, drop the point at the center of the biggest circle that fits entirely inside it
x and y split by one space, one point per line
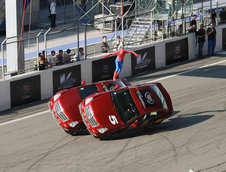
194 137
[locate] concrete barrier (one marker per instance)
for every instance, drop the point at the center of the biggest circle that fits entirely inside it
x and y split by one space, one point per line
5 95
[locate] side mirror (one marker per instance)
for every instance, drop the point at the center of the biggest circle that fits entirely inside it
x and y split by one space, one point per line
116 86
83 82
134 125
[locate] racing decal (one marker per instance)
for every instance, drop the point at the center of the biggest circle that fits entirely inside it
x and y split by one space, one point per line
146 98
149 98
113 119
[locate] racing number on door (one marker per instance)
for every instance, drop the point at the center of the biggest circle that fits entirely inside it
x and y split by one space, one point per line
113 119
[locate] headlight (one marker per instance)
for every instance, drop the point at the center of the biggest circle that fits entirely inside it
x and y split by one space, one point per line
73 124
56 97
88 100
102 130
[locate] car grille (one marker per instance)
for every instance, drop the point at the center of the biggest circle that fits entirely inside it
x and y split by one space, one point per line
84 121
55 117
90 117
60 113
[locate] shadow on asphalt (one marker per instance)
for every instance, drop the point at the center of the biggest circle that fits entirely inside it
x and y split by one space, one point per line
176 123
27 107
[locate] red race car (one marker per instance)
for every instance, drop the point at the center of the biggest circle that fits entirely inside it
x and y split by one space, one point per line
64 104
110 112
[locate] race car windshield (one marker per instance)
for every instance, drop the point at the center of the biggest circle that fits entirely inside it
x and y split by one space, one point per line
124 105
87 90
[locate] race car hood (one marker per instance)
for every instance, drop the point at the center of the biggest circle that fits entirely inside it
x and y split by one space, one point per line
106 115
70 100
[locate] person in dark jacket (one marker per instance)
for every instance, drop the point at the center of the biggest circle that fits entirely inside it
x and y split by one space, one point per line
201 39
193 22
104 45
211 32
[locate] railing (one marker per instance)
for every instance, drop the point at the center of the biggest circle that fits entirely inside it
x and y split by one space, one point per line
27 41
77 31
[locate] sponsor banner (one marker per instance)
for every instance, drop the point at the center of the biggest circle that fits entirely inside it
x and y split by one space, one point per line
66 78
145 61
224 38
25 91
103 69
177 51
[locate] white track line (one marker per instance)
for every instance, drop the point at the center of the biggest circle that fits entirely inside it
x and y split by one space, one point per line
26 117
187 70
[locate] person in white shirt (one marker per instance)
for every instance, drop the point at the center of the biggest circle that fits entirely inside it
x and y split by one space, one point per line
53 13
52 59
80 54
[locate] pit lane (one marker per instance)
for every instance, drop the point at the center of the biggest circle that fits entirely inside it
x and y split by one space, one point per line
194 137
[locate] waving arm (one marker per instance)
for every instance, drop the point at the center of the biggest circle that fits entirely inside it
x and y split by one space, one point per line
111 54
132 53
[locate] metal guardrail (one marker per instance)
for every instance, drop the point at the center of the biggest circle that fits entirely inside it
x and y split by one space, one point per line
17 39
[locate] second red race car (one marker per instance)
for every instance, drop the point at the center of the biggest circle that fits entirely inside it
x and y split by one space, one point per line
64 104
111 112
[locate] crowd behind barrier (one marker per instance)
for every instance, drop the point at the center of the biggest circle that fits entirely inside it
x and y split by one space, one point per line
109 46
92 48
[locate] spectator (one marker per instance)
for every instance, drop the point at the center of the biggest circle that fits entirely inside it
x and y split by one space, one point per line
67 56
211 32
201 39
59 58
80 54
52 59
193 22
192 29
104 45
179 31
53 14
118 43
44 56
41 62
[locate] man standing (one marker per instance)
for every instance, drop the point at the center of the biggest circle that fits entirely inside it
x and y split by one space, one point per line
201 39
80 54
193 22
104 45
53 14
179 31
211 32
59 58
